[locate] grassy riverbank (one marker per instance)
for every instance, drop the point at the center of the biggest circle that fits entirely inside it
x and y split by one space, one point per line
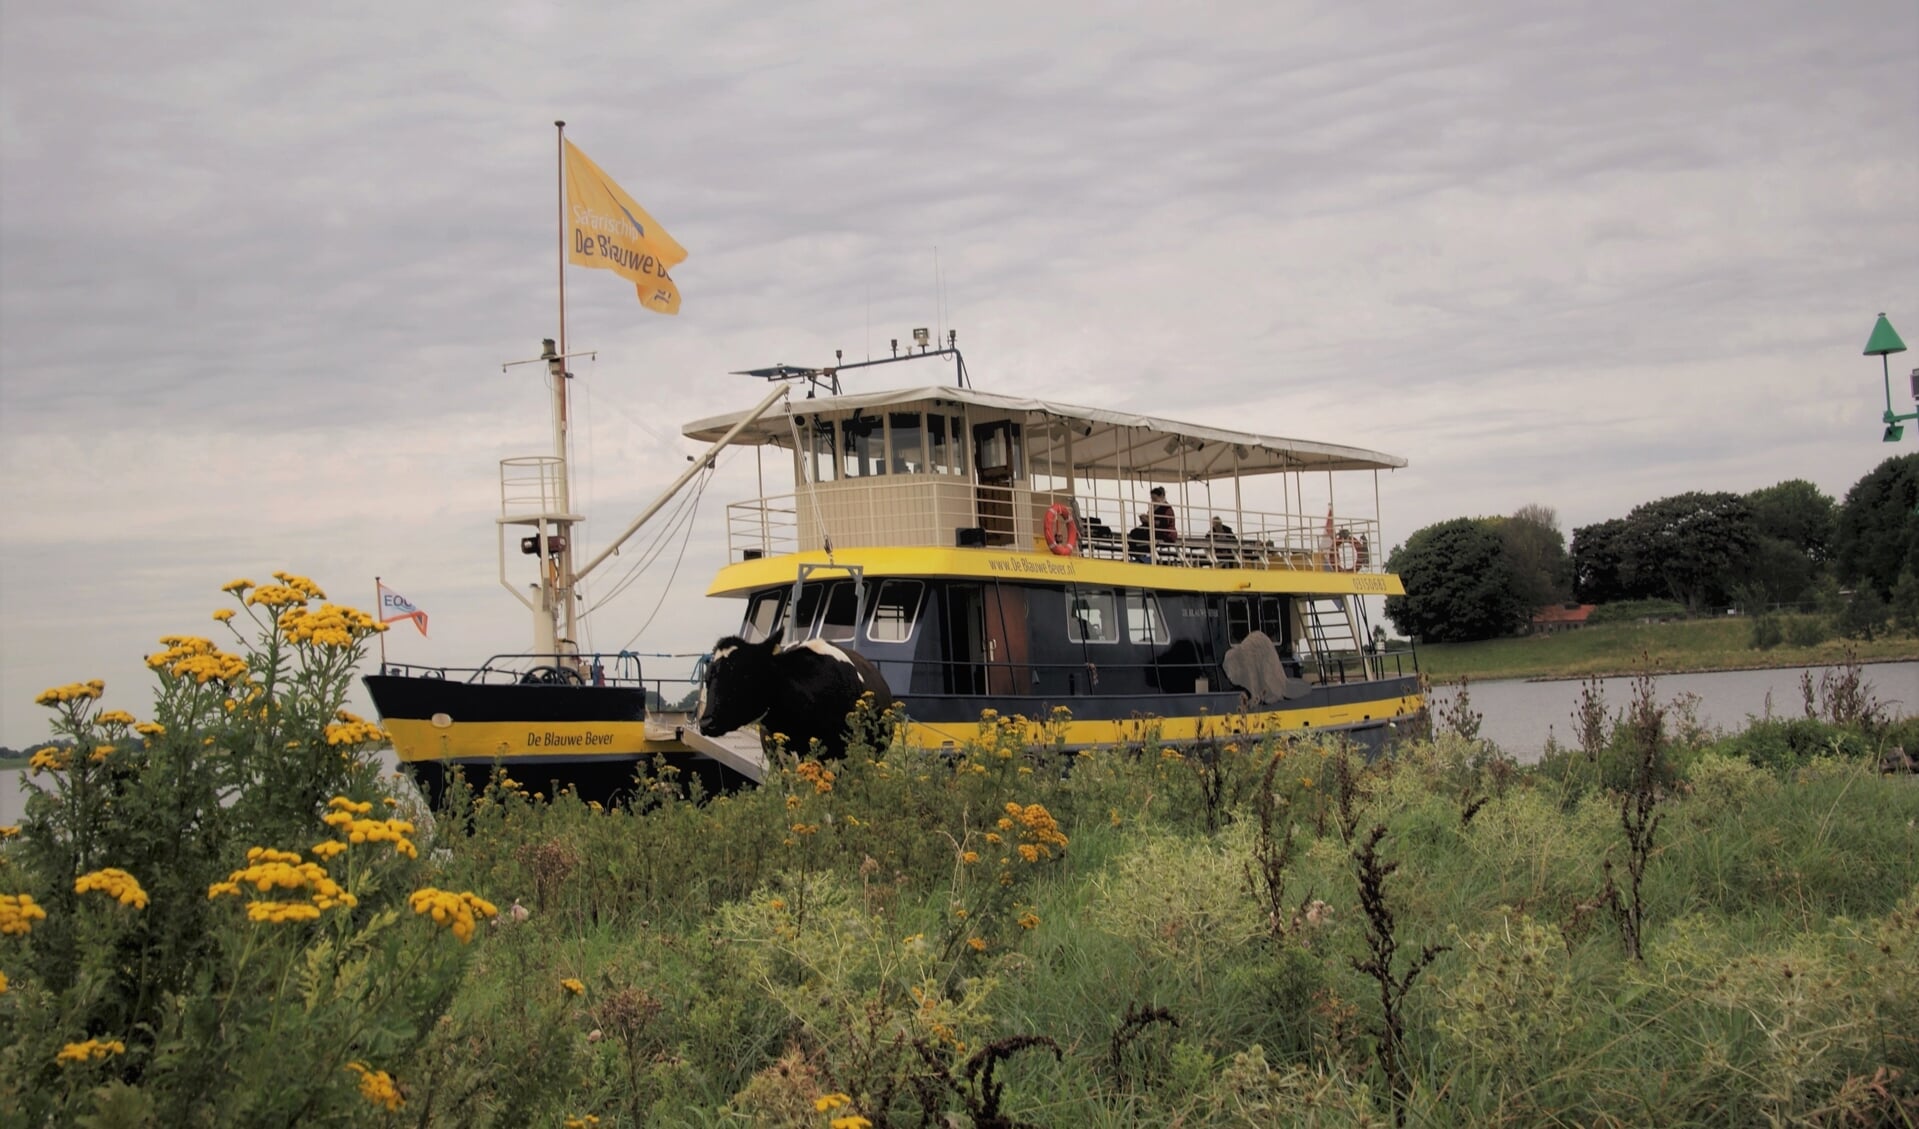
1657 926
1723 643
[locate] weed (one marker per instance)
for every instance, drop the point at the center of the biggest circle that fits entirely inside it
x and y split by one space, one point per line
1382 944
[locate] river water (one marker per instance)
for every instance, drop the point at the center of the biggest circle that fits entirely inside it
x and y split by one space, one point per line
1520 716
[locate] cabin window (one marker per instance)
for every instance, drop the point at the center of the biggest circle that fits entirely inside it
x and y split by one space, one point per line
1143 621
947 453
894 610
906 436
1091 618
806 611
841 613
864 448
762 616
1239 618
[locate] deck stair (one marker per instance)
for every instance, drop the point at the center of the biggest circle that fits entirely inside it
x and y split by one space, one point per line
1331 629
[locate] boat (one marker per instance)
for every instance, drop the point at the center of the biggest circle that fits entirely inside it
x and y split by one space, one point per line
551 716
956 538
976 547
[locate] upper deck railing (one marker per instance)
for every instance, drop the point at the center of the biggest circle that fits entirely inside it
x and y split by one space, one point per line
943 511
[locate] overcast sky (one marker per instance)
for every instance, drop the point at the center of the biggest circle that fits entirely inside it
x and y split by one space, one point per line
260 265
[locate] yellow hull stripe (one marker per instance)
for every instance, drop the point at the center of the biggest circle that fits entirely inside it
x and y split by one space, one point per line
514 741
417 740
743 577
1088 734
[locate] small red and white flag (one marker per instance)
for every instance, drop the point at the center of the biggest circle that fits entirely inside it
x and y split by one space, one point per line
394 606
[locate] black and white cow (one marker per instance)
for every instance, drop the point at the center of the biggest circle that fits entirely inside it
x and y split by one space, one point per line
803 692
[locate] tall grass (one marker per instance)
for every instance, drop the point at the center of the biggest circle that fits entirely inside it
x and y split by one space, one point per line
1223 936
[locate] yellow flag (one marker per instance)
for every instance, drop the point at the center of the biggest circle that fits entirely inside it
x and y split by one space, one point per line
606 229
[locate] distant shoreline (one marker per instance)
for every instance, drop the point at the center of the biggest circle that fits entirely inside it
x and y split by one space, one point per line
1728 669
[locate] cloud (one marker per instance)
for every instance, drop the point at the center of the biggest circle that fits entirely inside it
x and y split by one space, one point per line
259 270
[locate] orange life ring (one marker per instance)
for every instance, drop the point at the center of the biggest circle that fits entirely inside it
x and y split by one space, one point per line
1062 536
1346 554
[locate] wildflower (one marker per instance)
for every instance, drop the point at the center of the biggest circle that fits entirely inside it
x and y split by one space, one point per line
116 884
150 729
115 717
851 1121
325 851
1029 920
71 692
377 1086
581 1122
969 857
3 983
9 831
18 913
223 615
455 911
91 1049
49 759
777 903
268 869
977 944
916 943
351 730
574 986
236 586
100 754
827 1102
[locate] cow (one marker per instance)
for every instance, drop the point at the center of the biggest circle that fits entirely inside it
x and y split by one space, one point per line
803 693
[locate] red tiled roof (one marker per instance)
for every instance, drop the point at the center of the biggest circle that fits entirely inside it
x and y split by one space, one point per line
1559 613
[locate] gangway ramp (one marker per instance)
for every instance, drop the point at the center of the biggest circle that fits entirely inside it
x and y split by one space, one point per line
739 750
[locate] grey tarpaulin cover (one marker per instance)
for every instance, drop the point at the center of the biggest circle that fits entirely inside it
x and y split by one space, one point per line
1253 665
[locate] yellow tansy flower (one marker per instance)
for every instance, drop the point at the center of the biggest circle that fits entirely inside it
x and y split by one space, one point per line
92 1049
574 986
116 884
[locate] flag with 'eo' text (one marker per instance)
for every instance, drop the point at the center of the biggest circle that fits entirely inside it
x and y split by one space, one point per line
394 606
608 230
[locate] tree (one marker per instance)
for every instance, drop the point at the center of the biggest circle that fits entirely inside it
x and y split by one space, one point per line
1698 545
1798 513
1600 573
1460 586
1877 535
1537 551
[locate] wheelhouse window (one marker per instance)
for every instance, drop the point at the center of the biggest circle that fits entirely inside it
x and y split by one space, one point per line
762 616
1144 624
822 450
946 451
1091 617
895 610
906 437
864 447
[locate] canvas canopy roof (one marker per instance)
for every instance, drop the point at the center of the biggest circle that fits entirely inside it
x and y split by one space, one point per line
1103 443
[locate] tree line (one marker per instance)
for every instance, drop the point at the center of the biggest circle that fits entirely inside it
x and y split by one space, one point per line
1789 544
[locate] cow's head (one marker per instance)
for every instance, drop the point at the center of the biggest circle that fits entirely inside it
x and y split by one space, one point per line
734 691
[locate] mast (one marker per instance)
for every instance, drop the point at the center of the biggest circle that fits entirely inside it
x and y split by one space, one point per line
564 608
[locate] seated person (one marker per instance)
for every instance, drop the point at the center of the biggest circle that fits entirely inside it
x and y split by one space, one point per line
1139 541
1225 545
1165 529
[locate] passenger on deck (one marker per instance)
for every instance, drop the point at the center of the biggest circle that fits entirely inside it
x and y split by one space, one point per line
1139 541
1165 529
1225 545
